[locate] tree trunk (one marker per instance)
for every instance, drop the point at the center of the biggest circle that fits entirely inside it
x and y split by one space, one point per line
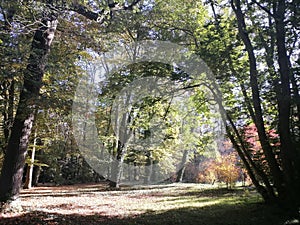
290 158
12 169
259 121
117 167
135 172
36 175
148 169
266 192
123 136
254 171
8 113
286 176
182 166
28 182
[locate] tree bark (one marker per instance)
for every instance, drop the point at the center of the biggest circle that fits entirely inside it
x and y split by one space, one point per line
12 169
8 113
254 171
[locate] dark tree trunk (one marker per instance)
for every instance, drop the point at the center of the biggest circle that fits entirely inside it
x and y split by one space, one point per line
267 191
148 169
36 175
285 177
259 121
289 155
12 169
253 170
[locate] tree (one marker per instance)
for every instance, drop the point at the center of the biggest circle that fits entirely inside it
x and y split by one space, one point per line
251 52
263 93
12 169
286 177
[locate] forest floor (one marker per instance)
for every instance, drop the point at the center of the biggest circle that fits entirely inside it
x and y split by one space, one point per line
189 204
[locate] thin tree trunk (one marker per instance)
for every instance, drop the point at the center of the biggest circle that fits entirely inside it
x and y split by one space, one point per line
266 192
123 136
28 182
135 172
182 166
253 170
12 169
148 169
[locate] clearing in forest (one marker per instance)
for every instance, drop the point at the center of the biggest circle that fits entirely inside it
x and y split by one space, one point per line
158 204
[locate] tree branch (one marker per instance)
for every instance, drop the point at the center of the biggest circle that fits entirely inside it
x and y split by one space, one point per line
263 8
101 16
84 11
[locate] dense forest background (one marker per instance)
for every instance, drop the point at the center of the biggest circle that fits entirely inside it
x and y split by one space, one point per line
251 47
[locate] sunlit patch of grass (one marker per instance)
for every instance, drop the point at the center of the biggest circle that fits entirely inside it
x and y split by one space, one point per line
211 207
173 204
196 197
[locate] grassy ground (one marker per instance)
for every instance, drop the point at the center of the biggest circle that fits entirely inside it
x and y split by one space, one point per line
164 204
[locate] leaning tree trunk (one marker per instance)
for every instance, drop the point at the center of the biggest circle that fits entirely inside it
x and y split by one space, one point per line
259 121
283 176
254 172
12 169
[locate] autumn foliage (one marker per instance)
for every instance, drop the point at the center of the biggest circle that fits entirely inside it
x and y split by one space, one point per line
252 142
224 168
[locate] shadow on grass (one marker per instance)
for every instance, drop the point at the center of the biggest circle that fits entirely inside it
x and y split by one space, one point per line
221 214
80 189
212 192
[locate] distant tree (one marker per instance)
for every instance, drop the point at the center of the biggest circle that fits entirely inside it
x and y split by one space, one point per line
225 167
